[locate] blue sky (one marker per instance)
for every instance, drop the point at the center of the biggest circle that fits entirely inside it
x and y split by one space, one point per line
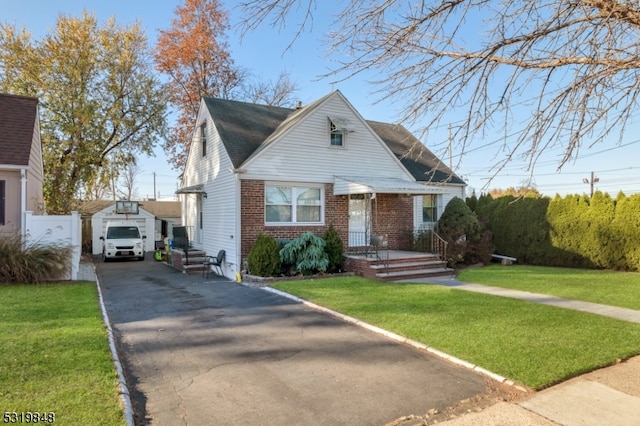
264 54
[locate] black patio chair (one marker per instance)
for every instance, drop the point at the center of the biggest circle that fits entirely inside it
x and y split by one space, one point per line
215 261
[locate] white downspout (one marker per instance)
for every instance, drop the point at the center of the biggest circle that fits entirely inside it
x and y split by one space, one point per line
238 230
238 227
23 201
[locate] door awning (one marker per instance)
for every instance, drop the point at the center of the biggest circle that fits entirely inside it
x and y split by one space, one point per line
194 189
345 185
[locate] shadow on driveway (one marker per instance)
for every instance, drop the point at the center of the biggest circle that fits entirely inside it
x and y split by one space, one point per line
210 351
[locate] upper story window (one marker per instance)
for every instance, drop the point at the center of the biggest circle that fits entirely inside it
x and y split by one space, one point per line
337 135
203 138
338 130
429 208
293 204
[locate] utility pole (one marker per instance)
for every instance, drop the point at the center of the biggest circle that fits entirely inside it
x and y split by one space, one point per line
154 186
450 149
591 181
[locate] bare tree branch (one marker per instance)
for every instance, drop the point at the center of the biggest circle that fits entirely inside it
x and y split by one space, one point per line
548 75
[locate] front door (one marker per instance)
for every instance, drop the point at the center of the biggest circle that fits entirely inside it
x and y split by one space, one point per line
359 220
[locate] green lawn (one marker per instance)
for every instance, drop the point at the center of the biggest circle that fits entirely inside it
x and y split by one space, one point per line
54 355
606 287
533 344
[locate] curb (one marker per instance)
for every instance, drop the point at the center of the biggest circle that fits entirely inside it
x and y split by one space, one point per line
399 339
125 396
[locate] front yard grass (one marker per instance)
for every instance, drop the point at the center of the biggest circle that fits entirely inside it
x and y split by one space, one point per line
54 355
607 287
535 345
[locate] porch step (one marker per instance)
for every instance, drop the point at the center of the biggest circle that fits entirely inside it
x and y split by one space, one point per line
399 265
414 274
193 265
409 266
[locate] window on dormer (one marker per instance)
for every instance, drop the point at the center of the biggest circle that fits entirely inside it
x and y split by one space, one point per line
337 134
203 138
338 129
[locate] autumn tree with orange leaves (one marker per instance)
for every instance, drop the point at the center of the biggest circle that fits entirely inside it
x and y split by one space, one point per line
193 55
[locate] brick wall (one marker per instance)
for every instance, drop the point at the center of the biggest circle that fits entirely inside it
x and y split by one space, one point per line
391 214
252 216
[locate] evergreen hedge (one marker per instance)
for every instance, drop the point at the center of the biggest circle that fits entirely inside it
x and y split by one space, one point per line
574 231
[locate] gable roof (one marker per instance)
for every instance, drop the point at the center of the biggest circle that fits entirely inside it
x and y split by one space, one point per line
18 116
246 128
242 126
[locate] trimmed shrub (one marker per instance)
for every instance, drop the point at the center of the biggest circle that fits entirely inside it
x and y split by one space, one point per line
307 253
263 259
334 249
32 262
460 228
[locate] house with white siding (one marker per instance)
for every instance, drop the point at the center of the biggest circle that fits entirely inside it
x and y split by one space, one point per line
255 169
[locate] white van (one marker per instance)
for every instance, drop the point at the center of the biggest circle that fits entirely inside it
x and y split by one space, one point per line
121 240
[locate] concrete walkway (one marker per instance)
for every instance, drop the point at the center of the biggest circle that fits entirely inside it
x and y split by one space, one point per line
625 314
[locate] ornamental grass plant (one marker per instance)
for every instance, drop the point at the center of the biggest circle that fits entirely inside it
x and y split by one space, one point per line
31 261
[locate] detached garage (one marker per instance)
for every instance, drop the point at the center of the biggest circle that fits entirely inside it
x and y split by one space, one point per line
145 220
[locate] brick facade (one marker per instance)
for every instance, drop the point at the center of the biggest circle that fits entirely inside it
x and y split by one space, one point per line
391 216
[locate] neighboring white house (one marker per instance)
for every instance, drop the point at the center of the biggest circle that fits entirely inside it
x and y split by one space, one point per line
255 169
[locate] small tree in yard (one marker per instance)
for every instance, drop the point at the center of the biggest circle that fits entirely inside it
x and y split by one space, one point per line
334 249
459 226
263 259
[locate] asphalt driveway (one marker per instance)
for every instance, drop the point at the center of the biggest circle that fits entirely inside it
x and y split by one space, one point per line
212 352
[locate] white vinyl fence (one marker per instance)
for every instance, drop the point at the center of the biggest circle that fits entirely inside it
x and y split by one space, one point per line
66 230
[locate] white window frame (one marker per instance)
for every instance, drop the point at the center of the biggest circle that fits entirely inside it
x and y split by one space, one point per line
338 127
435 207
296 190
203 138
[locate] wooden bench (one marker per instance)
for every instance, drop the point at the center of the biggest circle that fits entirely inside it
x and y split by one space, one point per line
505 260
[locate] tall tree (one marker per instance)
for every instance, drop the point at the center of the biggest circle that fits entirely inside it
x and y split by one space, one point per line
128 178
547 75
276 93
100 104
197 61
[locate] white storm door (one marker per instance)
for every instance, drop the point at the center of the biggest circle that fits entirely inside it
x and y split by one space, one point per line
358 221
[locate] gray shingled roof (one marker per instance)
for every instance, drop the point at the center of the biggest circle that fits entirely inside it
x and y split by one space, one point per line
414 156
242 126
245 127
17 123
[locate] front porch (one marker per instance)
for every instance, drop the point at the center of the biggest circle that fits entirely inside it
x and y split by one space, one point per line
394 265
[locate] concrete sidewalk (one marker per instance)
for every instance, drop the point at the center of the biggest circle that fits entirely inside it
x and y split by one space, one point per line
624 314
607 396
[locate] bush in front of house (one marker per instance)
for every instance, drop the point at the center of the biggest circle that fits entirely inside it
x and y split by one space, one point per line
307 253
263 259
460 228
31 262
334 249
